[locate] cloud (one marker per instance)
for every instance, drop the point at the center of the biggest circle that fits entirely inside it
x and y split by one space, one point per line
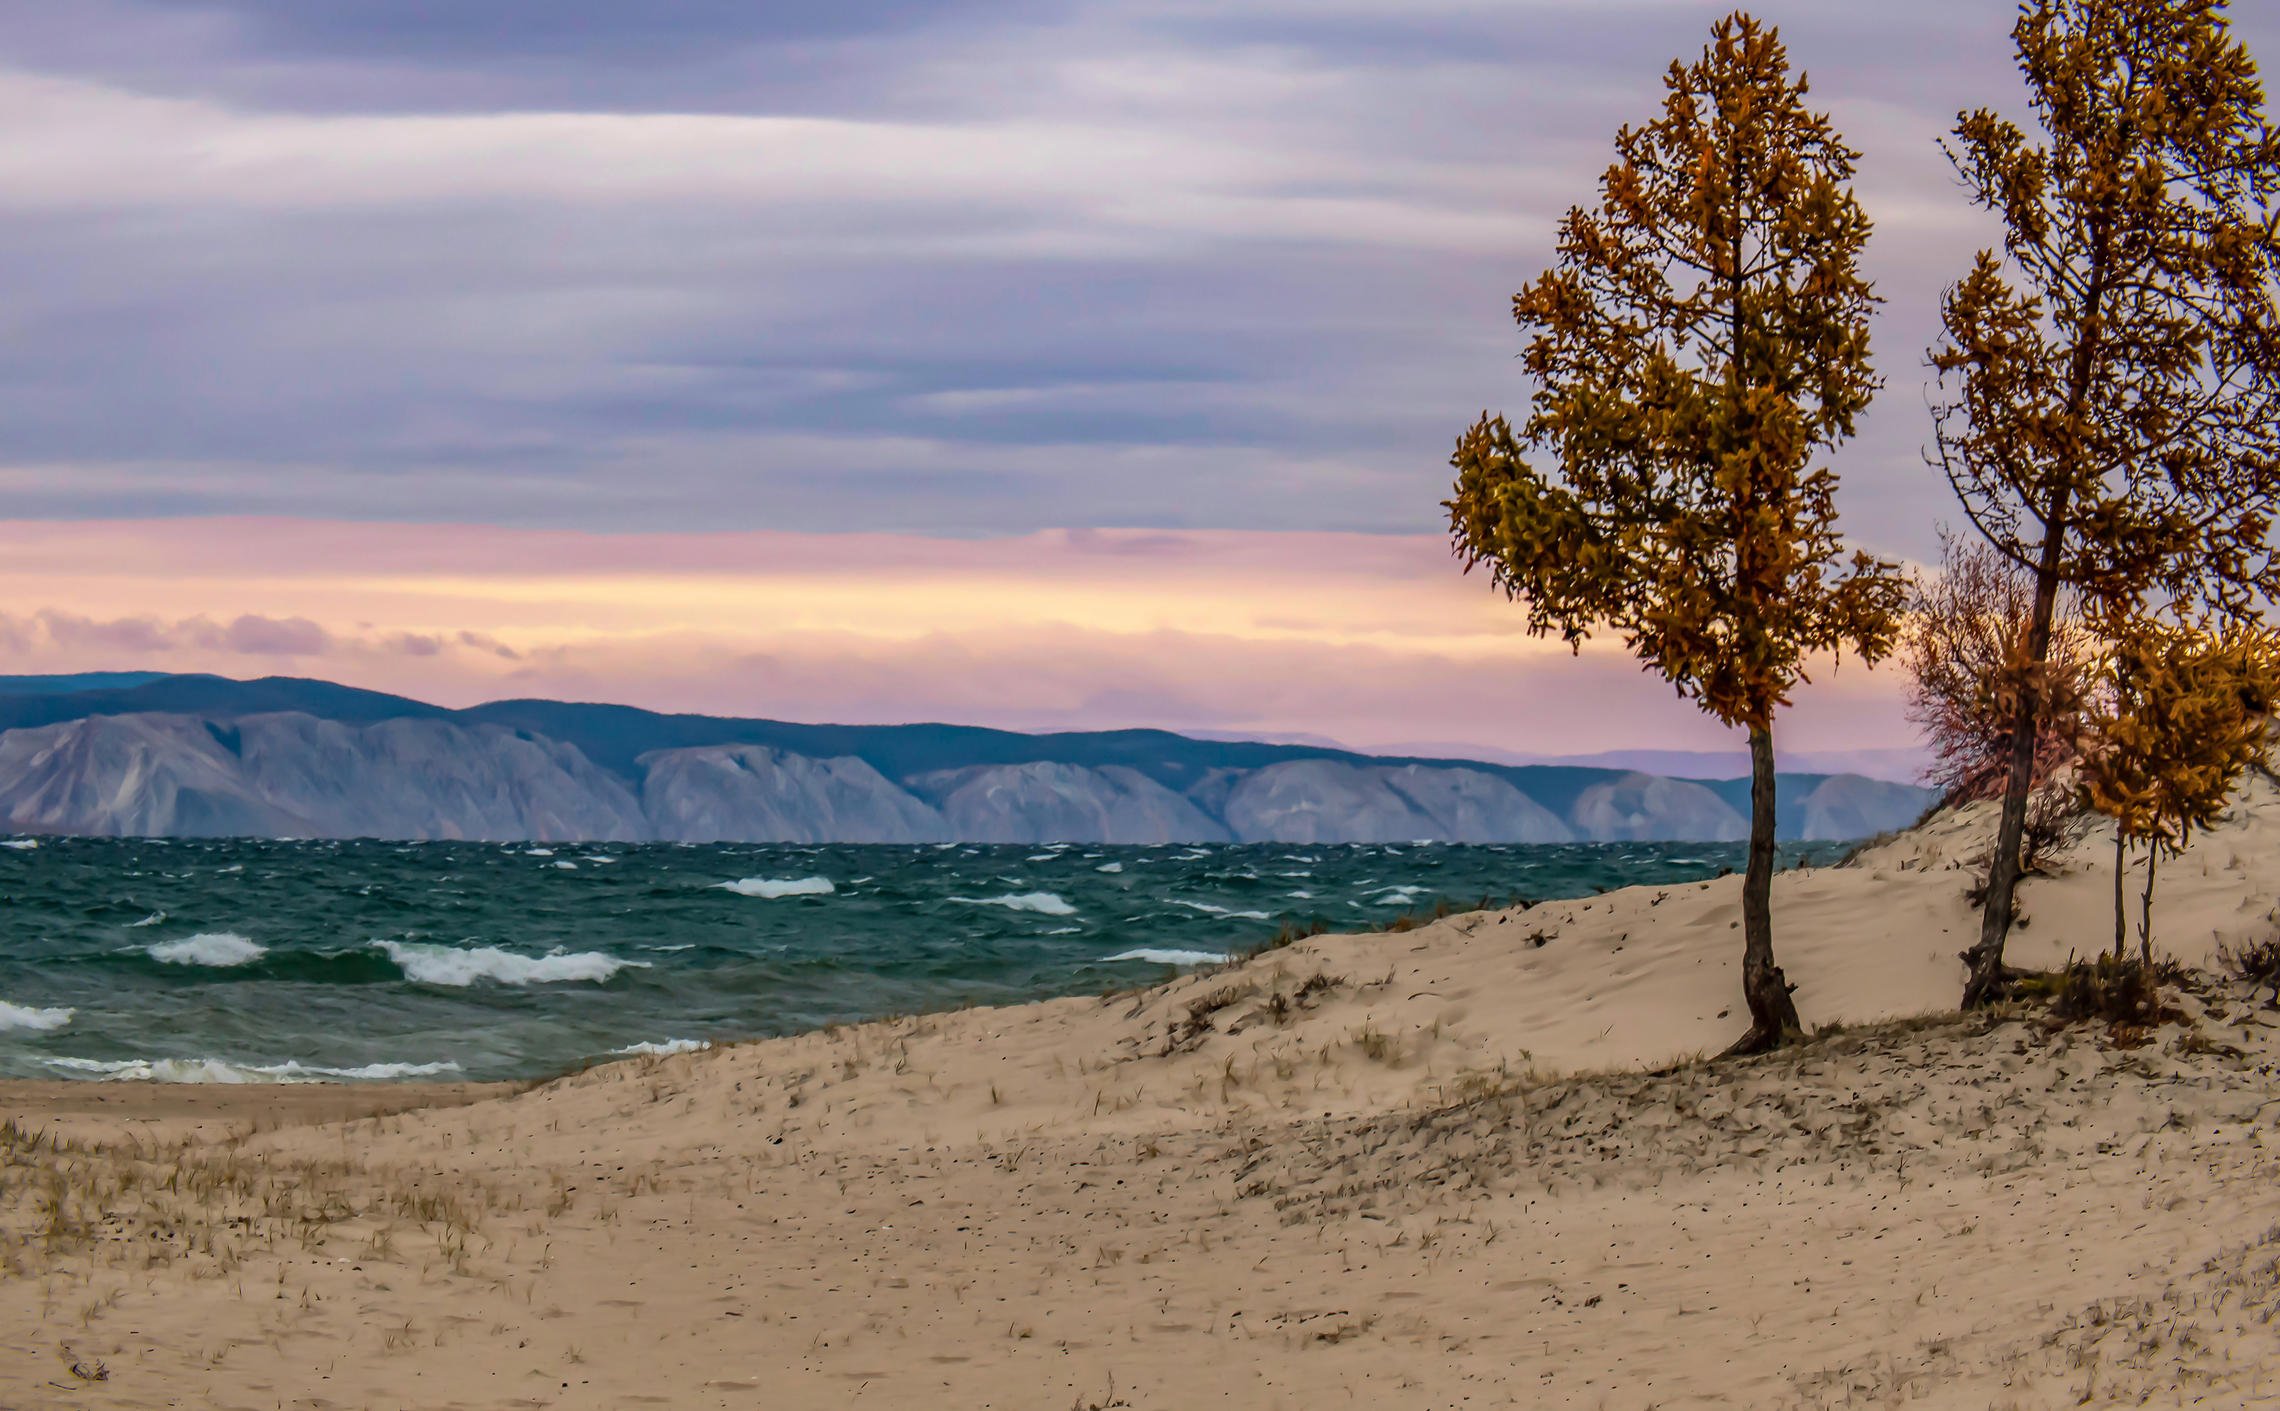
930 266
1371 638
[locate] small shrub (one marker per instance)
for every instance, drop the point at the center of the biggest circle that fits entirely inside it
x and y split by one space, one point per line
2256 962
2123 993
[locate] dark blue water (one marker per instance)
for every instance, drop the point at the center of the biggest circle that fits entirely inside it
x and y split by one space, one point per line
267 961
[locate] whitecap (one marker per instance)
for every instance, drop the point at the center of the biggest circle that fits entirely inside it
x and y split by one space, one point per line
566 865
1110 867
1209 910
605 861
669 1047
20 844
1044 857
668 950
770 888
1043 903
151 920
1148 955
449 965
215 1070
1300 896
538 852
1067 931
220 949
37 1021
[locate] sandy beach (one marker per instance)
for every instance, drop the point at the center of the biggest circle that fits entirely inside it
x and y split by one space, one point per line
1483 1162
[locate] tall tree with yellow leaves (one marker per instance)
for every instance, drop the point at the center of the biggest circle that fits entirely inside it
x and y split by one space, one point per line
1699 347
2112 422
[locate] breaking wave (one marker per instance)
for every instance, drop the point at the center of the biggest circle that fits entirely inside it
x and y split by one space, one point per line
1042 903
1148 955
215 1070
769 888
17 1017
221 949
450 965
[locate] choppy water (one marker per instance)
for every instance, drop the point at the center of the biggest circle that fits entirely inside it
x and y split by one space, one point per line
278 961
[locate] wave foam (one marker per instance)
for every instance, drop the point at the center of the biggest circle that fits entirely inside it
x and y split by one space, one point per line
20 844
151 920
1110 867
1209 910
1042 903
449 965
665 1049
36 1021
1148 955
215 1070
220 949
769 888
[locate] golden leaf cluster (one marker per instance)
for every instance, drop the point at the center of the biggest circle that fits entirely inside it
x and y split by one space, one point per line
1700 345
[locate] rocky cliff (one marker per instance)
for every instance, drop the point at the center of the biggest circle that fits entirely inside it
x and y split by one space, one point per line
429 773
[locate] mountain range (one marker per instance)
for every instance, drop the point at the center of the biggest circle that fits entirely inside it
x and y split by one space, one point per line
125 754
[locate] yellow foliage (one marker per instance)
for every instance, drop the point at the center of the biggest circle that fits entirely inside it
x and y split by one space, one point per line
2185 714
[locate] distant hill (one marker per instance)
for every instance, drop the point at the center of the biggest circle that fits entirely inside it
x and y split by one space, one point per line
205 755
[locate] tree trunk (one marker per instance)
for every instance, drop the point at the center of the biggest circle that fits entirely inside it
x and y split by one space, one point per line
1988 981
2145 913
1773 1015
2121 864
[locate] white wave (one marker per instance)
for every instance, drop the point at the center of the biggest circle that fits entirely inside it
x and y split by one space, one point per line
1066 931
770 888
566 865
449 965
1044 857
37 1021
1209 910
220 949
20 844
1300 896
1043 903
151 920
668 950
1110 867
605 861
538 852
215 1070
1148 955
670 1046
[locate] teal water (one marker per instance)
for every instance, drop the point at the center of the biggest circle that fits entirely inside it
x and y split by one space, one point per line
282 961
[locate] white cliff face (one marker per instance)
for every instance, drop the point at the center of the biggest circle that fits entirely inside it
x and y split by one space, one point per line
1641 808
1330 801
288 774
1848 806
133 776
432 779
1064 803
292 775
750 793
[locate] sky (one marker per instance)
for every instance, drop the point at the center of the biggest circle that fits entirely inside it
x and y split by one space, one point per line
1039 363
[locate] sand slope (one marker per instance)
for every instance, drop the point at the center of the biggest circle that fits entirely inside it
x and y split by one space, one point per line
1359 1170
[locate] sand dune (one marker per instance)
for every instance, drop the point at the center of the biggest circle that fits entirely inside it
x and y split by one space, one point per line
1474 1164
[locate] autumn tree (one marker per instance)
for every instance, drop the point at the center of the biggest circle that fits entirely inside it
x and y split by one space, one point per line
2183 715
1700 345
2111 378
1964 652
